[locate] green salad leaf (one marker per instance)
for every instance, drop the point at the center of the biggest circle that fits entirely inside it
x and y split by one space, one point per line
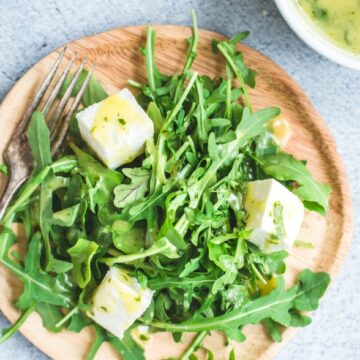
93 93
126 194
100 337
127 347
81 255
38 285
101 181
277 306
39 141
285 167
50 315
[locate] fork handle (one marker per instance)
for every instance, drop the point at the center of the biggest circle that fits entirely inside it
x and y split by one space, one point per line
11 187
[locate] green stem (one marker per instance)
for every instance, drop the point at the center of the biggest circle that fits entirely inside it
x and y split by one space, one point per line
64 164
191 55
228 99
237 72
155 249
194 43
258 274
158 175
179 104
28 189
223 238
201 123
182 225
5 236
150 40
135 84
180 151
20 321
67 317
220 322
200 337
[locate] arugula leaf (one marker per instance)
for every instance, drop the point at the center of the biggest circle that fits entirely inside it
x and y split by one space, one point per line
273 330
181 283
45 222
100 337
126 194
39 140
190 57
285 167
234 60
155 115
7 333
195 344
128 241
250 126
94 92
192 265
50 315
77 86
304 296
127 348
103 179
66 217
151 68
230 264
38 285
78 322
162 246
81 255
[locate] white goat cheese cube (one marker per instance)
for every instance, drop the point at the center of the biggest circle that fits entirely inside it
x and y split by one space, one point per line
275 215
118 301
116 128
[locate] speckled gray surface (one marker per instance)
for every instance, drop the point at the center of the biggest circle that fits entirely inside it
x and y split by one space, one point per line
29 29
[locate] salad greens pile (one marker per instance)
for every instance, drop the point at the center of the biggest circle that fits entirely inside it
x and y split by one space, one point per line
174 217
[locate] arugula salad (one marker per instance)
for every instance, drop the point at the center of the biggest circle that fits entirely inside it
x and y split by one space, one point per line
172 211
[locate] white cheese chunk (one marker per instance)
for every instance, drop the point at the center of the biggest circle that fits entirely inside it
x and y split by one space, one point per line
118 301
116 128
275 215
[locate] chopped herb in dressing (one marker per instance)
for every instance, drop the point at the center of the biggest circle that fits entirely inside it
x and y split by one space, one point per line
278 219
339 19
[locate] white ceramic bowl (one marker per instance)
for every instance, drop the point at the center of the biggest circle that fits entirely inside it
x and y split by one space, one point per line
310 33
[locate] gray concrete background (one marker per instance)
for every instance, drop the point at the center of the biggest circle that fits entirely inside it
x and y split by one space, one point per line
31 29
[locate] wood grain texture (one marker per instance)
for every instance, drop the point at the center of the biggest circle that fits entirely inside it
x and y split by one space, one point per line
118 59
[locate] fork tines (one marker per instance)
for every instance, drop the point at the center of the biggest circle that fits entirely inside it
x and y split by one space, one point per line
17 153
55 107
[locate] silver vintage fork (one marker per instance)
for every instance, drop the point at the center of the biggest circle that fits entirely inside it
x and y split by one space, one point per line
17 154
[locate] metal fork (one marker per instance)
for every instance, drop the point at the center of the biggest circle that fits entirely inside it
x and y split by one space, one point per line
17 153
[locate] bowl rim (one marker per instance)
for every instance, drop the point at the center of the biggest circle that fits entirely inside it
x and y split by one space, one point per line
312 35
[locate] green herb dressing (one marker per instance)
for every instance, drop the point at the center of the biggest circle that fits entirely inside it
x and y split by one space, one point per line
339 19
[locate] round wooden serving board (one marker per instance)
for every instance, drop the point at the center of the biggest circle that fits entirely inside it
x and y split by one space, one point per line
118 59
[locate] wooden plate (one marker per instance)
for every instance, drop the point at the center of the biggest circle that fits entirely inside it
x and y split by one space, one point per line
118 59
